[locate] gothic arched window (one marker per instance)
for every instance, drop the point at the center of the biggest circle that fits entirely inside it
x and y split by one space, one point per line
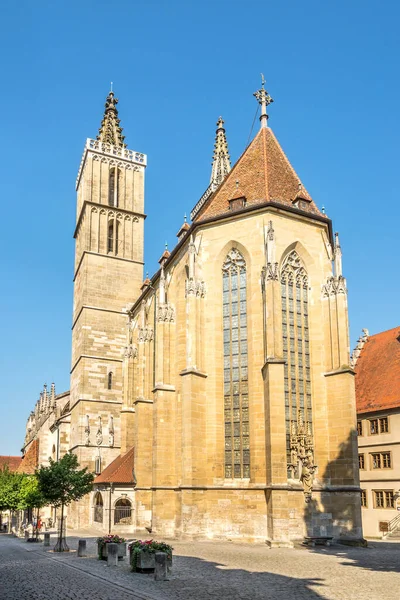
236 398
296 350
114 185
110 237
113 236
98 506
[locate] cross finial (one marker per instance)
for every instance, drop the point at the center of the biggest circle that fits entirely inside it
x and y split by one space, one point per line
264 99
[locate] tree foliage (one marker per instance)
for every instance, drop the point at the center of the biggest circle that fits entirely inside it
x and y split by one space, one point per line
63 482
10 489
30 495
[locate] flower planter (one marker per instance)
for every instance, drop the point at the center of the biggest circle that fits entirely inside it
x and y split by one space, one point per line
146 562
104 551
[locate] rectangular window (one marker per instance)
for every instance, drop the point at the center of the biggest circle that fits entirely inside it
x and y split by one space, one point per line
373 426
361 461
384 425
364 498
381 460
383 498
359 427
379 499
376 461
389 499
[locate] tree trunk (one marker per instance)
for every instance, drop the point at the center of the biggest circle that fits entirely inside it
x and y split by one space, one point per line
37 525
61 545
9 520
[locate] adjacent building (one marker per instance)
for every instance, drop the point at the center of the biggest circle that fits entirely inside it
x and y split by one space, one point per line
377 364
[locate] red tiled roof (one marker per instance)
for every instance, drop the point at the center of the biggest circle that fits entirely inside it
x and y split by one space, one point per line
119 471
30 461
378 372
264 173
12 462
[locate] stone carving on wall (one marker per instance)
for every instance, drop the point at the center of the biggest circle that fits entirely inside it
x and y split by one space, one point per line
87 431
99 434
357 350
195 288
302 465
145 334
111 432
166 313
333 286
130 351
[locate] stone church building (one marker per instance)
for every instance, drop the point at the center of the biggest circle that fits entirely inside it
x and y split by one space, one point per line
216 398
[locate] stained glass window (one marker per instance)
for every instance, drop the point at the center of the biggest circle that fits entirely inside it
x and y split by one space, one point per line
236 400
297 382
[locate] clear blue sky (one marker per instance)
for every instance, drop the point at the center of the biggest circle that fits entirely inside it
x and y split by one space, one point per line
332 69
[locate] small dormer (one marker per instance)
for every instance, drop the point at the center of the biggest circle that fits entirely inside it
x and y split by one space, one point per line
302 199
238 201
183 230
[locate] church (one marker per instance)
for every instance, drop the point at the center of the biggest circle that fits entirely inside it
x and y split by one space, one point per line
215 399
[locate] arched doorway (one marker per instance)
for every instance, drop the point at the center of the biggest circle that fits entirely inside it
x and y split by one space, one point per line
123 512
98 508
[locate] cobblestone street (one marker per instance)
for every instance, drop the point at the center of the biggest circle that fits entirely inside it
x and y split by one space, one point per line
204 570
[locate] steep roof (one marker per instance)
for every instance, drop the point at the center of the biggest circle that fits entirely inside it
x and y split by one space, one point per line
12 462
378 372
30 460
119 471
263 173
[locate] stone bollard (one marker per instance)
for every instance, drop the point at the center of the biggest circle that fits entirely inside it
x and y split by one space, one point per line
160 571
26 535
82 548
46 539
112 555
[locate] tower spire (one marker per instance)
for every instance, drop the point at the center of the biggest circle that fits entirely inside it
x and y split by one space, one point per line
110 131
264 99
221 164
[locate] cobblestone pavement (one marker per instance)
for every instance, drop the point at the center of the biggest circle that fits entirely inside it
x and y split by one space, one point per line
203 571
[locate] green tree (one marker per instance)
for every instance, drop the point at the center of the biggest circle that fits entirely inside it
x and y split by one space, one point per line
60 484
10 487
30 496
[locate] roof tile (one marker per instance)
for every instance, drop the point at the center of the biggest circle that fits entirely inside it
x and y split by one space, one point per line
378 372
119 471
263 173
12 462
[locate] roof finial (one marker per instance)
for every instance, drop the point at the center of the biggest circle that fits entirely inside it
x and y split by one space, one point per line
111 87
184 218
110 131
221 164
264 99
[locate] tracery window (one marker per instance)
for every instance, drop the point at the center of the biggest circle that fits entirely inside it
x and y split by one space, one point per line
113 232
296 346
114 186
236 398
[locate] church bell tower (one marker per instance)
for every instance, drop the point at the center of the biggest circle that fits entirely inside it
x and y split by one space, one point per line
107 278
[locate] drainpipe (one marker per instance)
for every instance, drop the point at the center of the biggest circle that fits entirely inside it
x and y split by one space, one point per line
109 509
